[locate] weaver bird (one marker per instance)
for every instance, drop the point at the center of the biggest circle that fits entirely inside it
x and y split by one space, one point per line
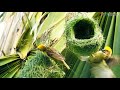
101 62
53 53
106 55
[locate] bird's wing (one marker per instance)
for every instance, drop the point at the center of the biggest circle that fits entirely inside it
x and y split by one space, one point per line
54 54
113 60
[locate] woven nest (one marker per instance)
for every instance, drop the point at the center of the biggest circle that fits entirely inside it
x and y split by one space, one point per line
38 65
83 35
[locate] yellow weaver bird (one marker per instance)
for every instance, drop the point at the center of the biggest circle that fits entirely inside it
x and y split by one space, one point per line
105 54
51 52
101 61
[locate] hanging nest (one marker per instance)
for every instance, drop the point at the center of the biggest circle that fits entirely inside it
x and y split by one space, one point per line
83 35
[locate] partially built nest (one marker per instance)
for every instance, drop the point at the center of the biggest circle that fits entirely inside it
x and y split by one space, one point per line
38 65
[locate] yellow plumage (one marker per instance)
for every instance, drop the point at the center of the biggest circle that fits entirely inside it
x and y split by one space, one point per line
107 48
41 47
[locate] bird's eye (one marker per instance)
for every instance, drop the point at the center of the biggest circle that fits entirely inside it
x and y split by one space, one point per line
104 51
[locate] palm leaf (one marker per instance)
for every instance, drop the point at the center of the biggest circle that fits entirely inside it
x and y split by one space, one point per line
9 70
25 43
52 19
7 59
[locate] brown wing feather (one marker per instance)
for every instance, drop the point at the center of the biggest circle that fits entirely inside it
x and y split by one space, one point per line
54 54
113 60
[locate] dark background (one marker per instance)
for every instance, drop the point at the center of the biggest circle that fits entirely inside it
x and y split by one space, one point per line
60 5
